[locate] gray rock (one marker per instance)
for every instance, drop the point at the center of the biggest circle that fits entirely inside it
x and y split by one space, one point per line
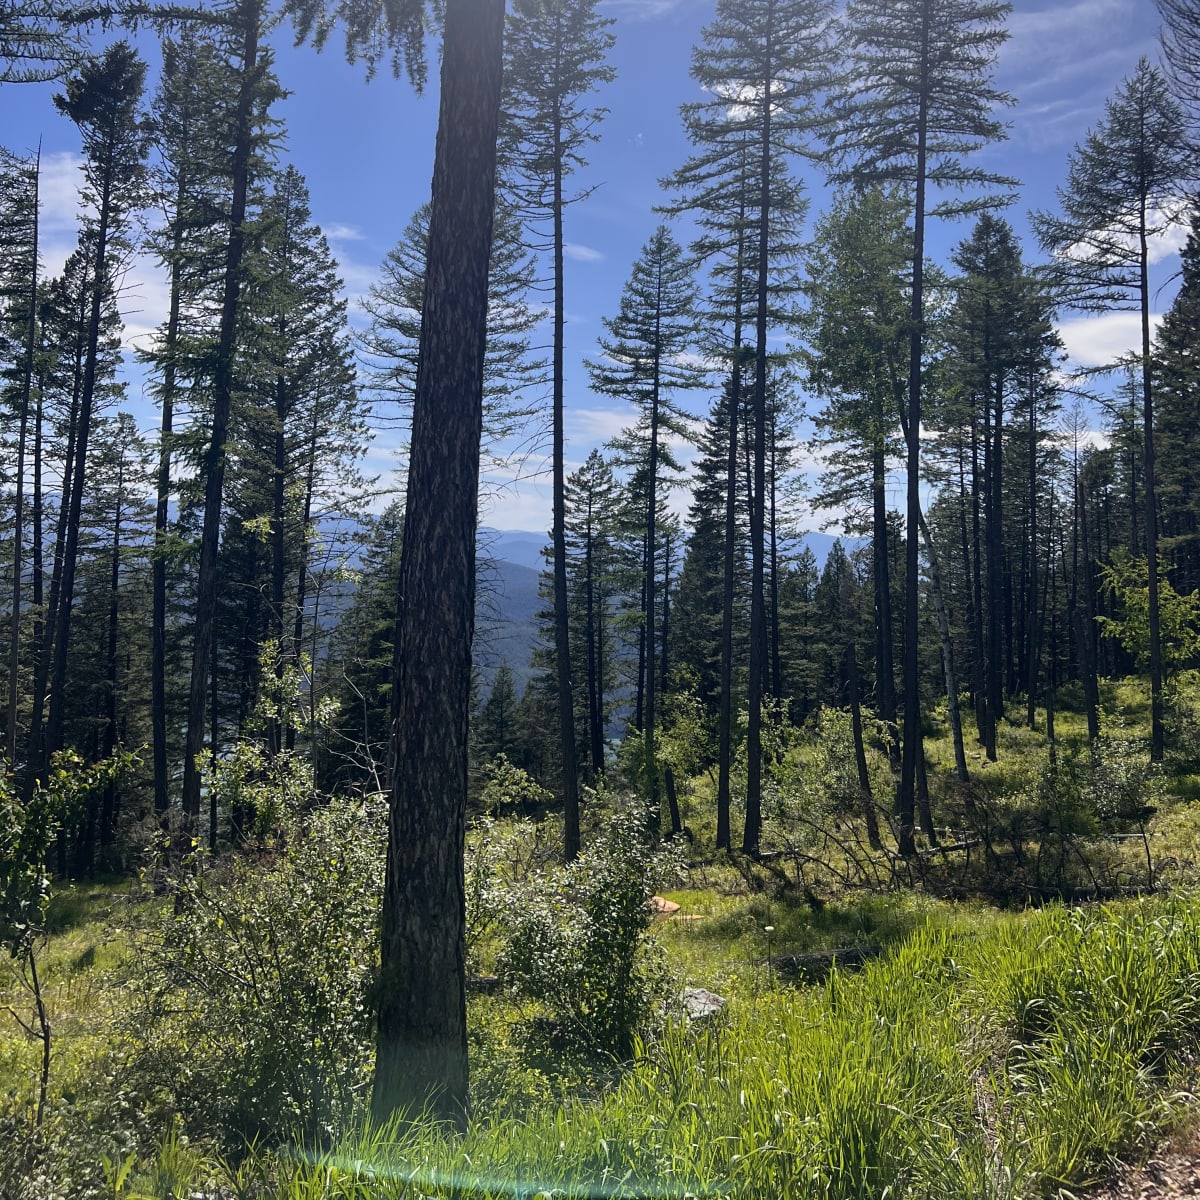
701 1004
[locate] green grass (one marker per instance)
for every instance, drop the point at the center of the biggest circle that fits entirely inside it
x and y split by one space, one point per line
1001 1060
986 1054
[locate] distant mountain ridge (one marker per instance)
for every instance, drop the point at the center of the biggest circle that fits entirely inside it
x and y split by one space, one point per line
510 564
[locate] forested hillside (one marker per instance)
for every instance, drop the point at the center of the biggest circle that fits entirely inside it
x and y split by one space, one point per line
868 596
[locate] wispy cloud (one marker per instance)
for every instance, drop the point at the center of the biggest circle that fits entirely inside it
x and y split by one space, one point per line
643 10
1101 340
584 254
342 233
1063 59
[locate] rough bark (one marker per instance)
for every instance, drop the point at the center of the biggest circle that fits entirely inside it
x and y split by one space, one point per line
422 1047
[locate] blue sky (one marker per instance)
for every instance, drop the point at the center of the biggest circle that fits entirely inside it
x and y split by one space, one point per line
366 150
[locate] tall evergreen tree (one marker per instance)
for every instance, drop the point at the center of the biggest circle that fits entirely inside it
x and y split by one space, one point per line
511 372
1177 382
916 101
19 186
644 359
103 101
858 334
1125 186
763 62
189 124
555 57
241 32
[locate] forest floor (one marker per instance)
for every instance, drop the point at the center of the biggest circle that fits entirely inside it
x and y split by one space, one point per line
1171 1172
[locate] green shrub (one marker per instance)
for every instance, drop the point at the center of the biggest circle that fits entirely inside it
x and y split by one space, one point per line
581 943
254 1008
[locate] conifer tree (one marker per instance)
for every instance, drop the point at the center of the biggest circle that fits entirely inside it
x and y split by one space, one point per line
511 372
915 102
19 186
103 101
255 89
1126 186
858 334
1177 382
189 122
595 572
644 360
763 62
555 57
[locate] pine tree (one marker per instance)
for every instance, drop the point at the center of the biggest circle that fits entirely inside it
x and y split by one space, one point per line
189 123
595 576
19 185
1125 186
103 101
555 58
644 360
1177 431
392 340
255 89
916 101
763 61
858 334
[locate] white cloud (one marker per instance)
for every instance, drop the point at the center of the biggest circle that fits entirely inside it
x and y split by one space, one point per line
1101 340
342 233
515 504
584 254
1167 226
643 10
594 425
1047 44
1063 59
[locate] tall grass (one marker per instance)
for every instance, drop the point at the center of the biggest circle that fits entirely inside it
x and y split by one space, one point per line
991 1066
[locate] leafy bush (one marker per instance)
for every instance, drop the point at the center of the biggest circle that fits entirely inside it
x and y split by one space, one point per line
581 945
255 988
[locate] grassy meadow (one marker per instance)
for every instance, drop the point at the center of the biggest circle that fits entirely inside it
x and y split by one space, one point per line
1028 1011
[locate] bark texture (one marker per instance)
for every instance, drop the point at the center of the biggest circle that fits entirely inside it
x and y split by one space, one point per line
422 1050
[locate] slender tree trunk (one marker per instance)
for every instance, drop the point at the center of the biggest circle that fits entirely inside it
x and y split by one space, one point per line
758 630
649 567
1157 737
995 565
943 625
109 800
562 637
912 748
249 12
870 817
984 715
422 1044
14 644
158 615
885 664
1031 599
70 559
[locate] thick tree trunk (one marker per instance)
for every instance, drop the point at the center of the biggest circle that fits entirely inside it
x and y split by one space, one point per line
422 1047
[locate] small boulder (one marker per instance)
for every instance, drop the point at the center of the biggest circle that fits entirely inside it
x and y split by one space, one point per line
700 1004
